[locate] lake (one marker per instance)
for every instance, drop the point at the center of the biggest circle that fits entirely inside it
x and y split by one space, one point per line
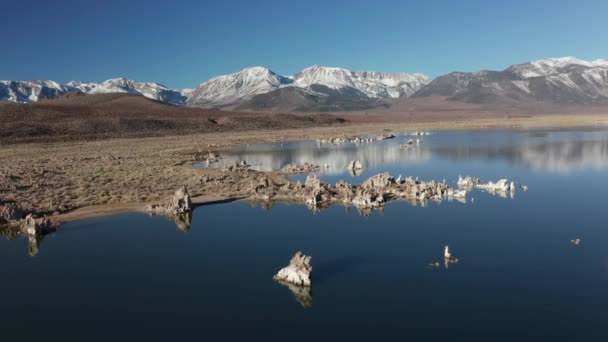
519 276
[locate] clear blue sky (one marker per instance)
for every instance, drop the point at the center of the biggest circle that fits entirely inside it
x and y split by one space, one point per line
183 43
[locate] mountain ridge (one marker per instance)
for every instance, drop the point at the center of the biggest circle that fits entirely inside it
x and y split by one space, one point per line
564 80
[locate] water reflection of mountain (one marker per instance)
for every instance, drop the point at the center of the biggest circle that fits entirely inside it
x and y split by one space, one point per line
553 156
275 157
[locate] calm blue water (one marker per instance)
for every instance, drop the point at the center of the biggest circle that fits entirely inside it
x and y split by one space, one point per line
519 277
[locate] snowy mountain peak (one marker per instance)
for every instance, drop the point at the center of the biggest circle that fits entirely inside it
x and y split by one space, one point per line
328 76
237 87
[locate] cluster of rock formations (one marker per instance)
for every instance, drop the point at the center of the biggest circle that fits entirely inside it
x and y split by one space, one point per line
178 208
373 193
242 165
501 187
332 140
300 168
468 182
265 188
341 140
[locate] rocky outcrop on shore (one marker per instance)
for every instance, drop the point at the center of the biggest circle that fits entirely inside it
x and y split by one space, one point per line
298 272
31 226
332 140
371 195
177 204
178 208
34 229
11 213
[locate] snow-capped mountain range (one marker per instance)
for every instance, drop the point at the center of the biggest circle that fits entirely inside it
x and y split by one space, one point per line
239 87
566 80
229 90
372 84
154 91
32 91
554 80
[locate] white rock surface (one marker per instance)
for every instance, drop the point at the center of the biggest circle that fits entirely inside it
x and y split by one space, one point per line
298 271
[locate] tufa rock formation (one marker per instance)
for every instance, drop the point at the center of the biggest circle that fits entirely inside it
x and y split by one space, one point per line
298 271
35 227
301 168
179 203
178 208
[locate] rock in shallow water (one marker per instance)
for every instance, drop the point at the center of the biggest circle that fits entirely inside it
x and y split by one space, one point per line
297 272
34 227
178 208
179 203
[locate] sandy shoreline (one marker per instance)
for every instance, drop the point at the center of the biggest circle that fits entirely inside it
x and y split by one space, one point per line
75 180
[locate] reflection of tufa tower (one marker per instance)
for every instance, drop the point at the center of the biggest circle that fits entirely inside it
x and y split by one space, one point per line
303 294
33 243
183 221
